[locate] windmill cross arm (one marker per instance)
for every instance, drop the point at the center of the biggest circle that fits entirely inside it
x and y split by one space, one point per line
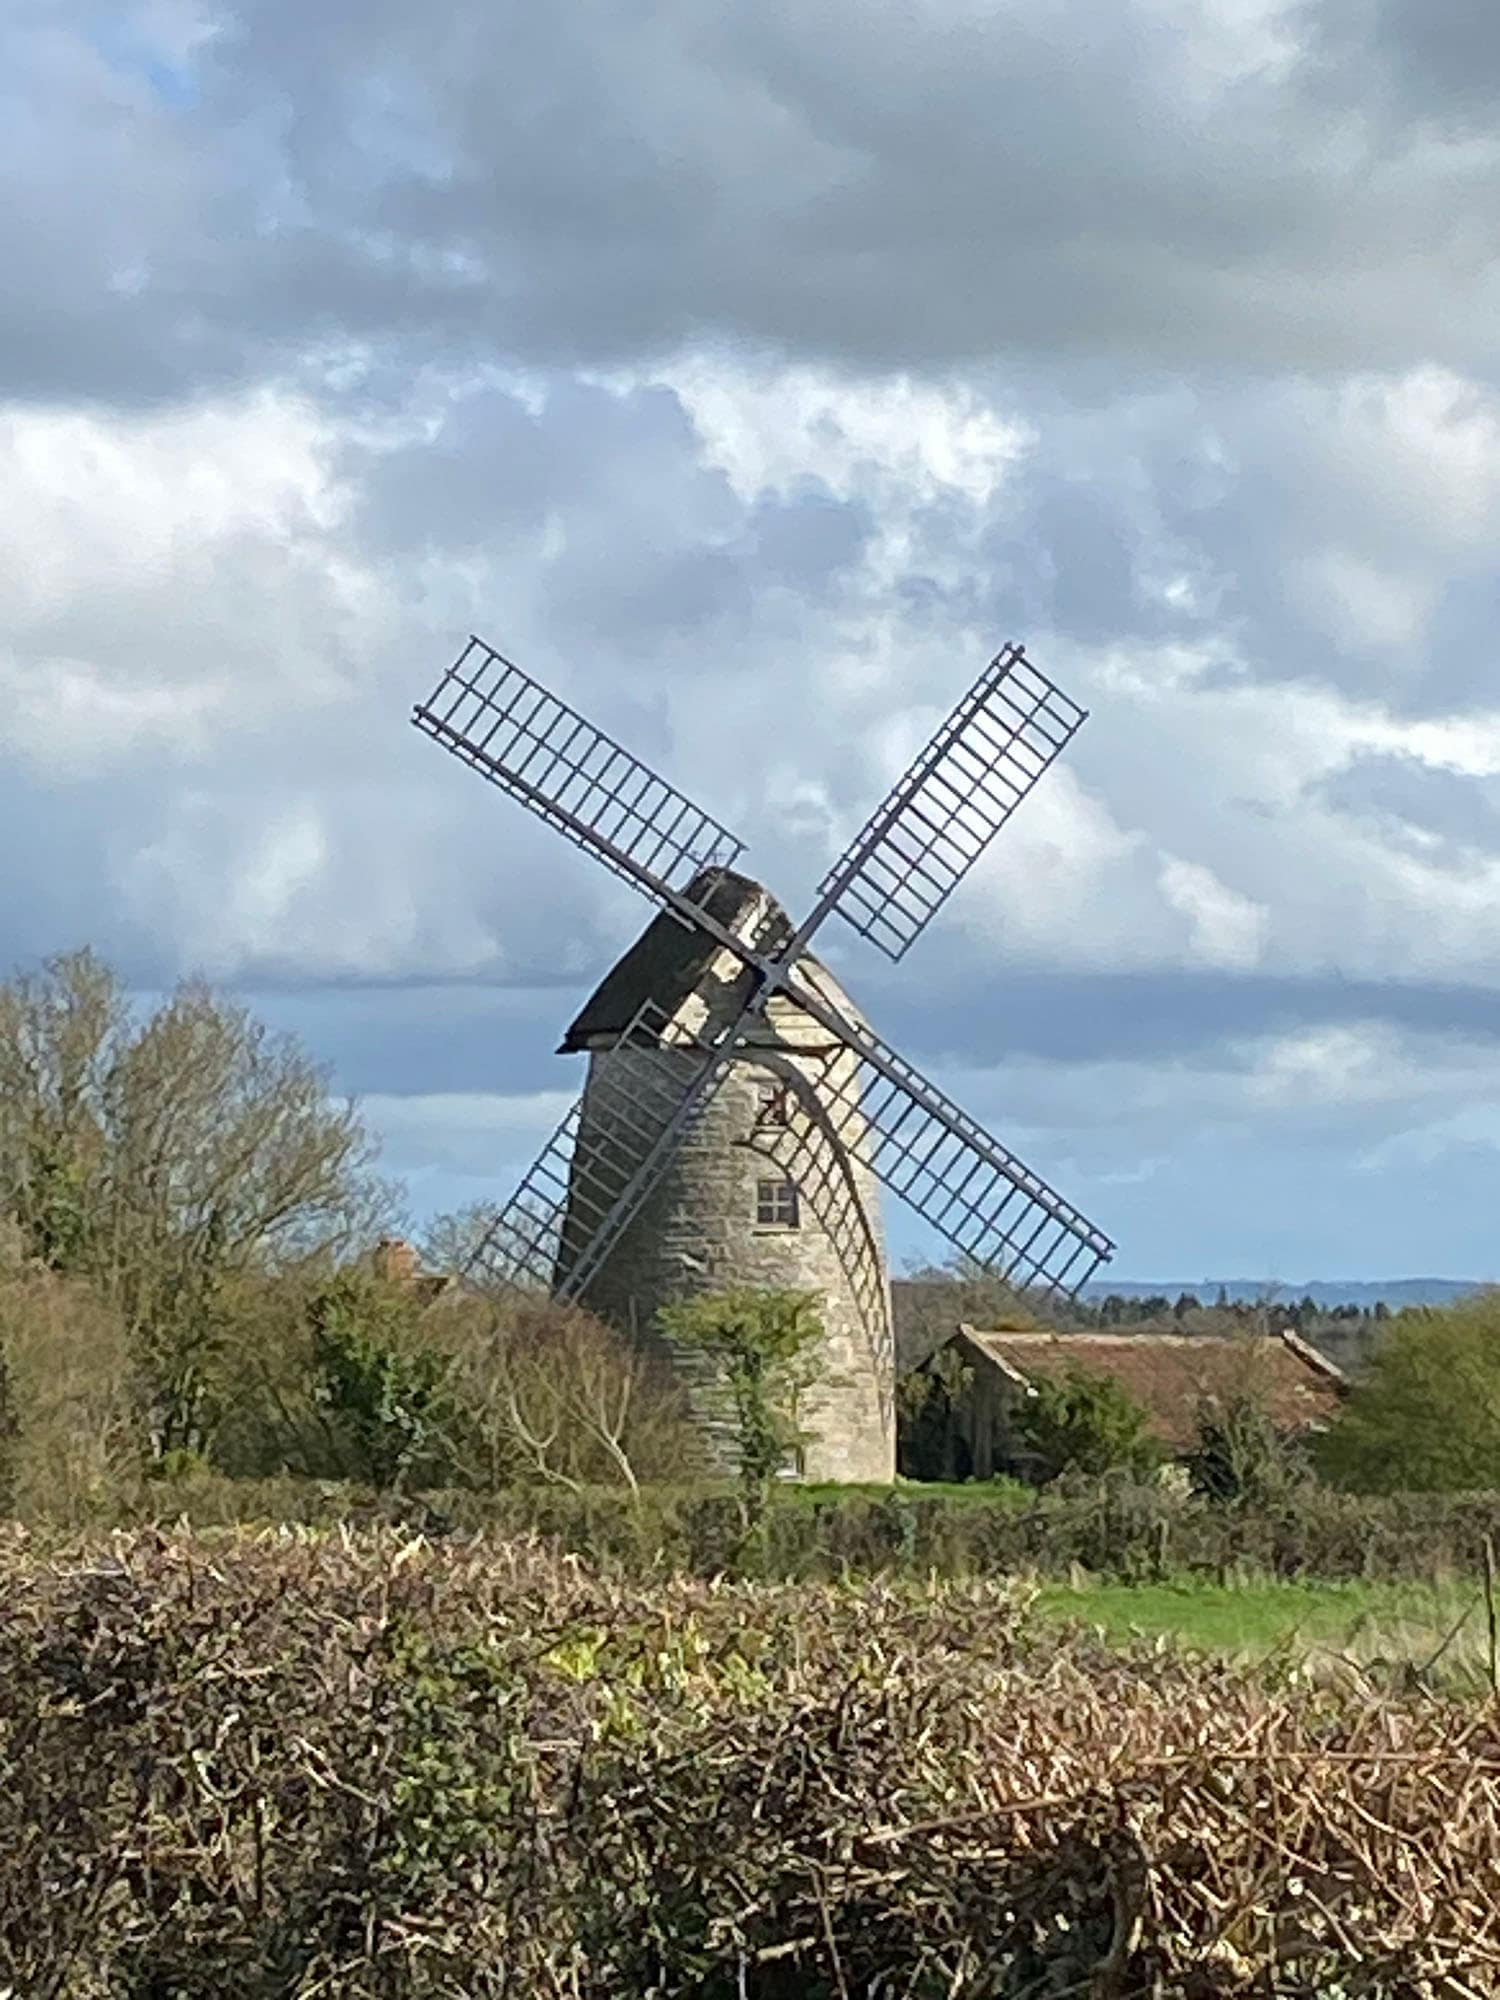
505 725
936 821
593 1174
973 1190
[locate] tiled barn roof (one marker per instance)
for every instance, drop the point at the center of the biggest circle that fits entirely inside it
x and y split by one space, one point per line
1171 1375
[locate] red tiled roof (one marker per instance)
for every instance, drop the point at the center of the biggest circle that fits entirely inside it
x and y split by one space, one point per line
1171 1375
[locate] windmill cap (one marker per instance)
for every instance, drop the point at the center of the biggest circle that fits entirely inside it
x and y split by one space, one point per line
669 961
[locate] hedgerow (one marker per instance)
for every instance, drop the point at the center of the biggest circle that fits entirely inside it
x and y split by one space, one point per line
372 1765
1112 1527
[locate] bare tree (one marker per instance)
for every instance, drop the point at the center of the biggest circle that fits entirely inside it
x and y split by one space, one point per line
158 1157
932 1299
554 1395
451 1243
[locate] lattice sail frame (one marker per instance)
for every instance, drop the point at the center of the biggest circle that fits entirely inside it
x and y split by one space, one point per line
589 1178
931 828
582 1191
494 717
975 1192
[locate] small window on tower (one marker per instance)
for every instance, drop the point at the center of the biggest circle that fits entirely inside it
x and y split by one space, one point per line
776 1205
771 1104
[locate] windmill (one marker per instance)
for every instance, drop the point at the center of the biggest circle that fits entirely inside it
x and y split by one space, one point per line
739 1111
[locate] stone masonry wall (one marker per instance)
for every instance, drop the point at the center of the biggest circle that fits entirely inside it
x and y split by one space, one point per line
697 1231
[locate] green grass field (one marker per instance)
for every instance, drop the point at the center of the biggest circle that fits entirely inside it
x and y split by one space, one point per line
1367 1624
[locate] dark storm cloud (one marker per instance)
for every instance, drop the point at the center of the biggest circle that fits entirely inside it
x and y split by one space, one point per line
1148 1017
123 230
1429 59
424 1039
1339 534
644 544
879 188
1422 806
875 188
479 1036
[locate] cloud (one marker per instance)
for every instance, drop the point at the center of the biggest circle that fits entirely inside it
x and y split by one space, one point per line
750 378
1225 928
1430 61
228 608
1386 1159
169 578
1182 187
1177 185
1437 814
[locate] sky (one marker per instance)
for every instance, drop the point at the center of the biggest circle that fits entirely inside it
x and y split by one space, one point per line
750 374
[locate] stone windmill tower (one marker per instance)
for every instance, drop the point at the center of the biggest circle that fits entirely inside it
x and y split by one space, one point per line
767 1185
738 1111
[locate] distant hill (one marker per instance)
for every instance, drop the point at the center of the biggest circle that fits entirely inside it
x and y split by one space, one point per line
1325 1292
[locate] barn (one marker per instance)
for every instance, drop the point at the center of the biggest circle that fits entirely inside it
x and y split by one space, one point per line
984 1375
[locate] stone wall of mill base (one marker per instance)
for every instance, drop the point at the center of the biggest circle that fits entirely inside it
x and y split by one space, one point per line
697 1232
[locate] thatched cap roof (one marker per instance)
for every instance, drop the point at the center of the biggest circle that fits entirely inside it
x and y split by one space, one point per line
1170 1375
668 961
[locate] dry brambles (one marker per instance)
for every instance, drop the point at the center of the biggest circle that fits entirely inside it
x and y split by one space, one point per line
340 1765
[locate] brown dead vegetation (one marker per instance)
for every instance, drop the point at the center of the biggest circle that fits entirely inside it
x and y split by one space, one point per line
301 1764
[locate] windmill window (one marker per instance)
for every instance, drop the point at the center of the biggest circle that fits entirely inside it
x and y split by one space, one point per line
776 1205
771 1104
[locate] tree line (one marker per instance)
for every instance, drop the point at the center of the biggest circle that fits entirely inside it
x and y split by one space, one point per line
187 1220
191 1281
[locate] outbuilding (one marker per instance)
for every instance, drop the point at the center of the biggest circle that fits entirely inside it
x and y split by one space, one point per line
980 1377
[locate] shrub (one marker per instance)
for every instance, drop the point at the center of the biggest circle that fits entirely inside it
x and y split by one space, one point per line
1116 1527
385 1391
364 1378
10 1428
929 1443
1240 1456
1084 1422
764 1343
553 1395
1425 1418
370 1766
74 1450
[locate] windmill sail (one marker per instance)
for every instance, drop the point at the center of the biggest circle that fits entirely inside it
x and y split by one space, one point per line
602 1162
934 825
599 1165
975 1192
497 719
593 1175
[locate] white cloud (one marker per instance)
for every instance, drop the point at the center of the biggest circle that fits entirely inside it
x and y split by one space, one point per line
254 903
1341 1086
1225 928
169 578
887 439
225 614
825 354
